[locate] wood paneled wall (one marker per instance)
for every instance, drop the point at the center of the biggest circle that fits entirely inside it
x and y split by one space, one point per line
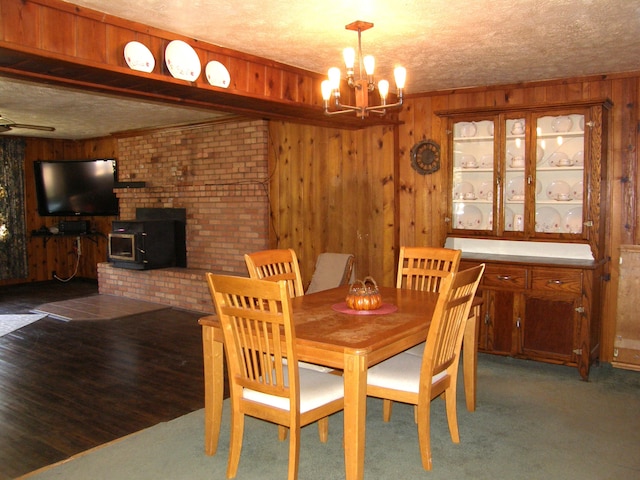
333 190
58 255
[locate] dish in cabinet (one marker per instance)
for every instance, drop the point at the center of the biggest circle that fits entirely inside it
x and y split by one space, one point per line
573 220
548 220
561 124
468 129
468 217
559 190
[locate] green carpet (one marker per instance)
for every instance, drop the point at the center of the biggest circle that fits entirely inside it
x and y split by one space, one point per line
533 421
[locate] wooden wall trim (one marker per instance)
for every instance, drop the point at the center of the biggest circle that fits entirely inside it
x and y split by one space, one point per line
46 40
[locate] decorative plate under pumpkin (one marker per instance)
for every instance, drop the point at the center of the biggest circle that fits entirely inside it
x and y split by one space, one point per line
364 295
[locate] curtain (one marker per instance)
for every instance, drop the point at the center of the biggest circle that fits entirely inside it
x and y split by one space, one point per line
13 235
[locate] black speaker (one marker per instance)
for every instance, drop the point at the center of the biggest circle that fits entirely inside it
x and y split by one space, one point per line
74 227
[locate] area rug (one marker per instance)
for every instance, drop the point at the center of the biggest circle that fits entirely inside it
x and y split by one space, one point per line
97 307
9 323
532 422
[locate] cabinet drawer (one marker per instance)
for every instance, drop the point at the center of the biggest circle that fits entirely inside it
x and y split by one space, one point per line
557 280
505 277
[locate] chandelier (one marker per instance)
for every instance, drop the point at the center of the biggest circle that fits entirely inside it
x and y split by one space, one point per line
361 85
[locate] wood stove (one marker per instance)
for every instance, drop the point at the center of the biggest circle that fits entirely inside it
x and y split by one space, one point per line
155 239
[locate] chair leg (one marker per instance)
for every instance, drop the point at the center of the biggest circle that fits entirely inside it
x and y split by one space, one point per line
424 434
235 444
282 433
386 409
452 413
294 452
323 429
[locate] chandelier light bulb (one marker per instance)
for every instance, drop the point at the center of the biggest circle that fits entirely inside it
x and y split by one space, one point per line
383 88
326 89
400 75
334 78
349 57
369 64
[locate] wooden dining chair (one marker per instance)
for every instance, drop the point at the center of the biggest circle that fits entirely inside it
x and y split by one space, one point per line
274 265
280 264
332 270
257 323
423 268
414 380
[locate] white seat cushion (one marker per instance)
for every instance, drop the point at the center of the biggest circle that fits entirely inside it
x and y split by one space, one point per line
316 389
400 372
418 350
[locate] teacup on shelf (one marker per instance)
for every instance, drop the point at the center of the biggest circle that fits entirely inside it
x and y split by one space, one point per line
564 162
563 197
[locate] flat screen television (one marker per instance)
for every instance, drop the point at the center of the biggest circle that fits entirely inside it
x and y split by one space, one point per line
76 187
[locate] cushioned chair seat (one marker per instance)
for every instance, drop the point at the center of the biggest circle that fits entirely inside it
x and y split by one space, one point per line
316 389
400 372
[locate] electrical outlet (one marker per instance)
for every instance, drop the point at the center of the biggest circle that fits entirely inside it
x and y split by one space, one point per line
78 246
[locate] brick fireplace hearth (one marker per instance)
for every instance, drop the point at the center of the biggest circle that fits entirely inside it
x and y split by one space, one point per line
219 174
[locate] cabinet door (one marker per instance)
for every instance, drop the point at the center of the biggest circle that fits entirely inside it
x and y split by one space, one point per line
548 327
515 175
560 174
497 329
473 176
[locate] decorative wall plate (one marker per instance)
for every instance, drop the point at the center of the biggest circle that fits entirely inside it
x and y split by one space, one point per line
139 57
425 157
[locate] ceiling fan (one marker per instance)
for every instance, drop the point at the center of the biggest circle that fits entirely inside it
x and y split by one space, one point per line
7 125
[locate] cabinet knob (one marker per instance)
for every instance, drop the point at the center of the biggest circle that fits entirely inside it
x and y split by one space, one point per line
504 277
555 282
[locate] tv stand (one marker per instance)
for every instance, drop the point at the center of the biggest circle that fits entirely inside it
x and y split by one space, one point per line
46 235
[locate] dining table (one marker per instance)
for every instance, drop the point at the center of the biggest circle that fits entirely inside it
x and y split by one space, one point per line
329 334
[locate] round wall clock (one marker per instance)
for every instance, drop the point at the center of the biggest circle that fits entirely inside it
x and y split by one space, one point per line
425 157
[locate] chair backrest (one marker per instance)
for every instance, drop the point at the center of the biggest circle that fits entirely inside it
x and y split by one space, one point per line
444 340
423 268
274 265
257 324
332 270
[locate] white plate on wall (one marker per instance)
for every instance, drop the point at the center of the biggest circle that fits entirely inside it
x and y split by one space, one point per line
139 57
182 61
217 74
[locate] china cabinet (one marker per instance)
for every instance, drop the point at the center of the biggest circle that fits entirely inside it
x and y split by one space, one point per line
534 175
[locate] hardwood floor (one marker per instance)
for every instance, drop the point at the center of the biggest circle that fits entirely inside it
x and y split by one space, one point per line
66 387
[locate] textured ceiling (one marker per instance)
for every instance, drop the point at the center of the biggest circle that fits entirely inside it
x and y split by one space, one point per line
444 44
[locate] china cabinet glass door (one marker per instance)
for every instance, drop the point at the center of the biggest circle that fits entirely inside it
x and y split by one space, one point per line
516 175
473 185
560 142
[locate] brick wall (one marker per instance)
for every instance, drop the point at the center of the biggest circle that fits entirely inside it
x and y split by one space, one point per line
219 174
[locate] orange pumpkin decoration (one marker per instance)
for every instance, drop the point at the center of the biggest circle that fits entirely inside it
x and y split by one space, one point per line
364 295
